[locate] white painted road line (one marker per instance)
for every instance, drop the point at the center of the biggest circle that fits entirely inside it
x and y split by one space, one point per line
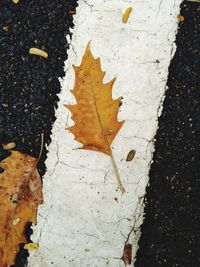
84 221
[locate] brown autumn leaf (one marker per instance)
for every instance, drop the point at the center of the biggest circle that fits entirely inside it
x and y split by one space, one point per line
20 195
95 114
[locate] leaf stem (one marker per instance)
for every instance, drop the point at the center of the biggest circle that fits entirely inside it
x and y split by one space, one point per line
41 145
116 172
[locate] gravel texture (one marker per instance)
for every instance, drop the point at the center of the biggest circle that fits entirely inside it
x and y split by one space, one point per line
29 84
170 233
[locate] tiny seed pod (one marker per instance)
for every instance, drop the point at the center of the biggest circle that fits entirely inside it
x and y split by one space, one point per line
126 15
130 155
38 52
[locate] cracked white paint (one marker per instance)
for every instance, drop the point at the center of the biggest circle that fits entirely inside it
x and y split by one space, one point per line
84 221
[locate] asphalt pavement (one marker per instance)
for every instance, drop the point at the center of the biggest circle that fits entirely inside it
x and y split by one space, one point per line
170 233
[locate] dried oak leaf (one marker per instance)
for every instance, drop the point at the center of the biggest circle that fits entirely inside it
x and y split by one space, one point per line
20 195
95 114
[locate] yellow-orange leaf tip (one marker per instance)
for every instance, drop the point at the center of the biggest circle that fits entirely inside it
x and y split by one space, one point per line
126 15
95 113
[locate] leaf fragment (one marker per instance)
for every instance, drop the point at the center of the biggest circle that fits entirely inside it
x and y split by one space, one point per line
127 255
95 114
38 52
9 146
5 28
180 18
20 195
31 246
126 14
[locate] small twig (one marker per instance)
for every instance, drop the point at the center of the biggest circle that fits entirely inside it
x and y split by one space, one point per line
116 173
41 145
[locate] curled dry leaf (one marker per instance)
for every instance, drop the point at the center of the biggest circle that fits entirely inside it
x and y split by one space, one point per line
95 114
20 195
38 52
126 15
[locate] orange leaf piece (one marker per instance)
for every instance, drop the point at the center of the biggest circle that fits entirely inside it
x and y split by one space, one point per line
180 18
95 114
20 195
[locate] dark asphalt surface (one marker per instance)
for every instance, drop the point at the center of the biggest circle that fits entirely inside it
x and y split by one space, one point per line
29 84
171 230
